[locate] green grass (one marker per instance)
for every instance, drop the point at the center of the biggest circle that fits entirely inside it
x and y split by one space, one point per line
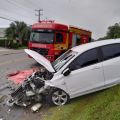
103 105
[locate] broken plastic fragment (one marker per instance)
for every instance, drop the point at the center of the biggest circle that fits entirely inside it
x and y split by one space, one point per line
36 107
2 118
19 76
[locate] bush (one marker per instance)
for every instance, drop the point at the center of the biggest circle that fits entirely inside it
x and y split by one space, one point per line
14 45
2 42
10 44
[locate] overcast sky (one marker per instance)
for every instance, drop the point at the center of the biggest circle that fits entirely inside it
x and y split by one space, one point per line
94 15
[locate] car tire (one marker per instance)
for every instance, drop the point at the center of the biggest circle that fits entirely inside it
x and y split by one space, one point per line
57 97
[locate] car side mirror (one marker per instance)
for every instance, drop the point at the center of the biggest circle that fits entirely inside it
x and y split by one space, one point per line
66 72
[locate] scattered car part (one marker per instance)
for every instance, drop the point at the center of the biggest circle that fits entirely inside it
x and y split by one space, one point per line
2 118
31 90
18 77
36 107
10 102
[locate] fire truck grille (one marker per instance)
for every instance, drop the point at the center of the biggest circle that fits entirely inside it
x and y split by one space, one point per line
41 51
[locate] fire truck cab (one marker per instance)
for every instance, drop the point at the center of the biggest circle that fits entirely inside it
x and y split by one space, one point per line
52 39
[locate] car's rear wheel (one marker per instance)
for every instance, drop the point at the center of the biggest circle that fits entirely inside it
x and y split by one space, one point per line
58 97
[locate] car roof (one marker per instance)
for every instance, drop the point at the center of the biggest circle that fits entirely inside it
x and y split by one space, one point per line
84 47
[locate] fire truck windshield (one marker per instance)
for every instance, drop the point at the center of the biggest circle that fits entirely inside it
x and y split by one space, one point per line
44 37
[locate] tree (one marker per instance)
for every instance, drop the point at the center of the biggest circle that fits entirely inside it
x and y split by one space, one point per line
18 31
113 32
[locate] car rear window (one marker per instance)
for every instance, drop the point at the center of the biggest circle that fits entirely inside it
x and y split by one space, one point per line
111 51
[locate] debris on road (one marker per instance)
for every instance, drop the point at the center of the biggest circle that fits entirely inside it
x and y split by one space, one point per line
31 86
2 98
19 76
9 111
32 90
2 118
36 107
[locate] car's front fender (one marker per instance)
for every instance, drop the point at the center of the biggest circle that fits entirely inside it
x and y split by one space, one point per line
57 84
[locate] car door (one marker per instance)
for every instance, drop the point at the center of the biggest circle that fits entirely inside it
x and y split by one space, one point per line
86 74
111 63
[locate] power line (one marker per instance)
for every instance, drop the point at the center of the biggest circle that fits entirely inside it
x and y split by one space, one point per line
12 12
29 4
7 16
18 5
7 19
17 13
39 14
32 4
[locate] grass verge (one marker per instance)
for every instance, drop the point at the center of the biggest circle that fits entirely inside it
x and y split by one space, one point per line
103 105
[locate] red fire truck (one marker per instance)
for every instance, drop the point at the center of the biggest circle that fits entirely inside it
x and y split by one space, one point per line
52 39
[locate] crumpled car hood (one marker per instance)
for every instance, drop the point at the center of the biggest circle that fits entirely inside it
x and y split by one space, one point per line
40 59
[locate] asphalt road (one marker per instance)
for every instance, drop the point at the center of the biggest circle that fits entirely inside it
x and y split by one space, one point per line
13 62
8 64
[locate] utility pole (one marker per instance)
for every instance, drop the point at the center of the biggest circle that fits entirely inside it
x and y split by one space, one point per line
39 14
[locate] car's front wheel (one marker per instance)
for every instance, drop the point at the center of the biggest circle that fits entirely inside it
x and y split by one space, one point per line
58 97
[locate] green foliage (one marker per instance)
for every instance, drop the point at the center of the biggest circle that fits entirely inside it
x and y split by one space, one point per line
18 31
113 32
2 43
5 43
103 105
15 45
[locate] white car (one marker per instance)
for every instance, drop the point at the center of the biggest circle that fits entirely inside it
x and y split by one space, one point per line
81 70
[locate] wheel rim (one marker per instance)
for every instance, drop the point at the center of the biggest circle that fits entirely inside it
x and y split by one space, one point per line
59 97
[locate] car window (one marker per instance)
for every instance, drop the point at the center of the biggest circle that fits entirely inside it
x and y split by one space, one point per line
111 51
59 37
63 59
86 59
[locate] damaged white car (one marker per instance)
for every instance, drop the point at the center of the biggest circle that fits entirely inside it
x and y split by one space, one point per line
79 71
